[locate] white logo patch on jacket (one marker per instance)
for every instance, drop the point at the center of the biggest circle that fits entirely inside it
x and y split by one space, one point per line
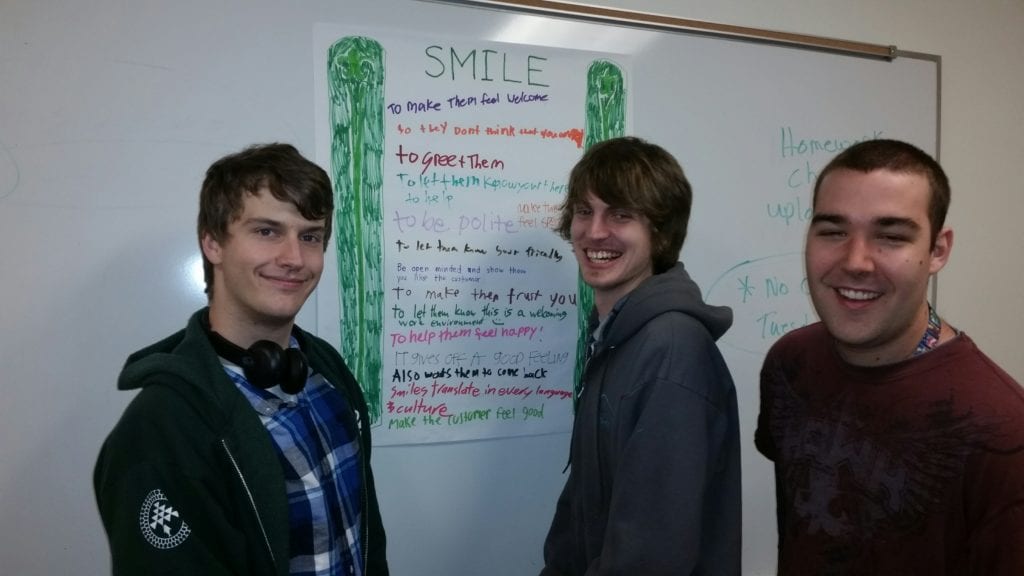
162 525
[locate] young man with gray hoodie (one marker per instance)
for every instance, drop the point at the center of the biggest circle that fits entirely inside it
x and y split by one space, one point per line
654 484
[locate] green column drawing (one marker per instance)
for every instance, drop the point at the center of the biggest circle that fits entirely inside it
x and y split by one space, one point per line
605 118
355 82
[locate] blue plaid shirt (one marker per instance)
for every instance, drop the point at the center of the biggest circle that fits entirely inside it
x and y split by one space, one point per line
319 454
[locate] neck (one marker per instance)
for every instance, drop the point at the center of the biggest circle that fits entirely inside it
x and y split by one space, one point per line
932 333
244 332
898 350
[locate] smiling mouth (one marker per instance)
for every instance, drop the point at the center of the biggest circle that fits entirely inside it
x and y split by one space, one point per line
859 295
602 255
293 282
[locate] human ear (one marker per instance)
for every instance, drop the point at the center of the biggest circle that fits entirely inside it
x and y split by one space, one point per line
941 250
211 248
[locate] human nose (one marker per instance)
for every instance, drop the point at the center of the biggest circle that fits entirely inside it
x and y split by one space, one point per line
597 227
858 258
290 253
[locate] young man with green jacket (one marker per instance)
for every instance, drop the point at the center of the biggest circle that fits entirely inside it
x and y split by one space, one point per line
247 447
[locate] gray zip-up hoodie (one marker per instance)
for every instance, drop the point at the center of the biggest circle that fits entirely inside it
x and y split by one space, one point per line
654 486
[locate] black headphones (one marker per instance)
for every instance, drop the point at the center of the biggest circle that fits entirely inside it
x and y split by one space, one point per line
265 364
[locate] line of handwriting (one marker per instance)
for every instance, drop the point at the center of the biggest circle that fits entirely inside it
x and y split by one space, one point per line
500 130
484 222
437 317
438 415
512 296
429 337
430 159
439 246
446 181
521 358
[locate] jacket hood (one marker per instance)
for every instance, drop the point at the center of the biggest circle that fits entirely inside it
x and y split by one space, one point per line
184 361
155 358
175 355
670 291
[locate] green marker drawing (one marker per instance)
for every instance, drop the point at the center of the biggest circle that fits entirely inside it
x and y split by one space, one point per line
355 82
606 102
605 118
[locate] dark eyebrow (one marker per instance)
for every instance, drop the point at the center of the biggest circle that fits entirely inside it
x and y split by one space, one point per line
277 224
881 222
896 221
828 219
263 221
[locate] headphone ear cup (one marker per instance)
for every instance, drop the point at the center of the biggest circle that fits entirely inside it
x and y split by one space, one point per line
295 371
263 364
266 364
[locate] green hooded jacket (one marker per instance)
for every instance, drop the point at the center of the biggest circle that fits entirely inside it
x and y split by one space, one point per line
189 482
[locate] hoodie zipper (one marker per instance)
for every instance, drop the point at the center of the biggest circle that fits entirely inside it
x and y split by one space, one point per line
252 501
365 491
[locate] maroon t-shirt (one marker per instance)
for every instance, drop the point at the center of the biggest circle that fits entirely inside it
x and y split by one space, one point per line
912 468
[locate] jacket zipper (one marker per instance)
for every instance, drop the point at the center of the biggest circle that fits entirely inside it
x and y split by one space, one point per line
252 501
366 525
365 491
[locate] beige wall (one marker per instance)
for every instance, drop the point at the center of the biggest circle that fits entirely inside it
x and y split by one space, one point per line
982 147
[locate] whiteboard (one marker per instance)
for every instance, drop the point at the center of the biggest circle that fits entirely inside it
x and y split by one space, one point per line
110 114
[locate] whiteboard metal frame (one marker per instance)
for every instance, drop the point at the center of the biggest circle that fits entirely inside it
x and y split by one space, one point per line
651 20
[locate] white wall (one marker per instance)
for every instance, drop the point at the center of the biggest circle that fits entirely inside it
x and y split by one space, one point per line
981 291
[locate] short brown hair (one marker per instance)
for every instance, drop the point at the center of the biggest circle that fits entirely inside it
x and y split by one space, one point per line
901 157
278 168
634 174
